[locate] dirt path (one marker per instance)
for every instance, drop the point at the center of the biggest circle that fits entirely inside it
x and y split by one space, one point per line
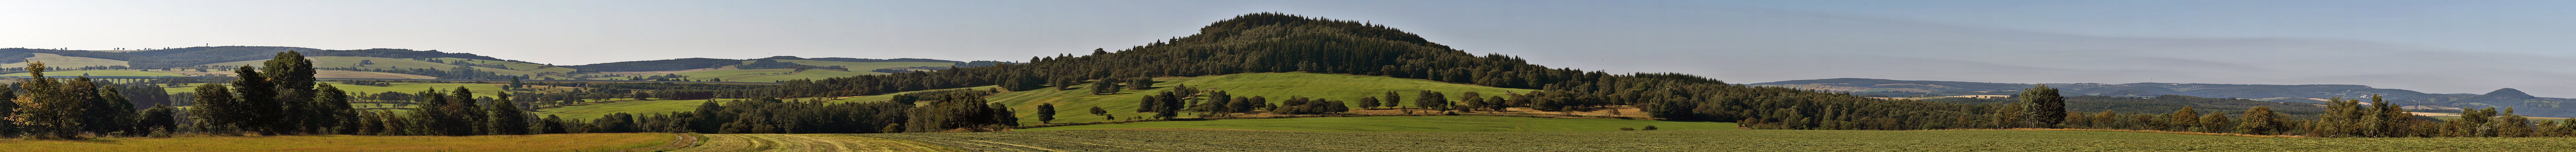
808 142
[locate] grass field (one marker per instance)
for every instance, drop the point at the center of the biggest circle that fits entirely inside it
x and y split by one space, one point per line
771 75
864 66
808 142
380 63
640 107
54 60
364 74
546 142
480 90
99 73
1276 86
1404 124
1692 140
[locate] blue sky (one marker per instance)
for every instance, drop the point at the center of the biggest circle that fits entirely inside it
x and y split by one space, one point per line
2259 42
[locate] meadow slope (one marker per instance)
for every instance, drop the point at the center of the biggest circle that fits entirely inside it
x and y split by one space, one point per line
1693 140
1403 124
544 142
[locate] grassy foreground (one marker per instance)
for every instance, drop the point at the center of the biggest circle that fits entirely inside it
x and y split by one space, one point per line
546 142
1692 140
1404 124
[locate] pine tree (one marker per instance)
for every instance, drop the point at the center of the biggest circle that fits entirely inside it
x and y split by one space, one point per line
2042 107
1046 113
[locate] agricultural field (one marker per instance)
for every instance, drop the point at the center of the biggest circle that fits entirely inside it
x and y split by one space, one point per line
529 67
771 75
865 66
99 73
638 107
383 63
1692 140
1074 102
55 60
807 142
480 90
545 142
1403 124
364 74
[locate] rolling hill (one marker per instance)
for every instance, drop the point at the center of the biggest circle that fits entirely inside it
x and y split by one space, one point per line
1403 124
2541 106
99 73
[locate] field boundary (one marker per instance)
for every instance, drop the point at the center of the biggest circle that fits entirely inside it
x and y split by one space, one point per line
2147 131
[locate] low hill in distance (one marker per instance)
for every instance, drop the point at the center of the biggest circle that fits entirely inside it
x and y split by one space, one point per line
2507 97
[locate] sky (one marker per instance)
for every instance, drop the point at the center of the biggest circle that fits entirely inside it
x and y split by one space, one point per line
2250 42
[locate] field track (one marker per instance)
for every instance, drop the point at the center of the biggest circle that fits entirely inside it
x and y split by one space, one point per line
808 142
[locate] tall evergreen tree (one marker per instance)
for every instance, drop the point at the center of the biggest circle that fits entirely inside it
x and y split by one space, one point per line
2042 107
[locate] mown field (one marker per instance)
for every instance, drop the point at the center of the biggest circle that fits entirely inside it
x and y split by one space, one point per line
99 73
546 142
1693 140
637 107
1074 102
808 142
1403 124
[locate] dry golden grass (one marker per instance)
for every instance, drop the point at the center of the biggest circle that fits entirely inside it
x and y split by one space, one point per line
546 142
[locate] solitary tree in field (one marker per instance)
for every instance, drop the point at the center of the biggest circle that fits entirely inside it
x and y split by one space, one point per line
1393 99
2041 107
1046 113
1368 102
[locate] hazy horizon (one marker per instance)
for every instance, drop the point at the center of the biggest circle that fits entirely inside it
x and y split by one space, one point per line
2434 47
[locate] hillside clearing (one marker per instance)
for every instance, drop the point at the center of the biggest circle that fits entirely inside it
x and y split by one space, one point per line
544 142
1405 124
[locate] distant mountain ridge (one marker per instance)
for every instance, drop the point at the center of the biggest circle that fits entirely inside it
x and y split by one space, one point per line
2499 98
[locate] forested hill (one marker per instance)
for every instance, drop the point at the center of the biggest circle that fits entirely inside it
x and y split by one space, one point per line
1273 42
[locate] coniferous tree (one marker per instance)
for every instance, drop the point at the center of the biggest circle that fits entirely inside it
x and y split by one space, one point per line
2042 107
